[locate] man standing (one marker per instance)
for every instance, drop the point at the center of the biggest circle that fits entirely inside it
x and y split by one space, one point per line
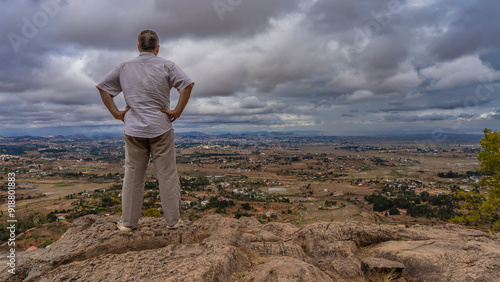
146 81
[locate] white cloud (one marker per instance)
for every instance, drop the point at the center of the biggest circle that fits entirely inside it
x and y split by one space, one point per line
416 4
285 52
360 95
402 78
231 105
349 79
459 72
406 78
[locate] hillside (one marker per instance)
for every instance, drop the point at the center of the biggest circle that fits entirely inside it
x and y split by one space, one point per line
215 248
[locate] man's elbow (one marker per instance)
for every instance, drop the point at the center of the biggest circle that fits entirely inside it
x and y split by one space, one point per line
104 93
190 87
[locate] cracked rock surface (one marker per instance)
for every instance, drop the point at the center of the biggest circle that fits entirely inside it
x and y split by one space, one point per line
216 248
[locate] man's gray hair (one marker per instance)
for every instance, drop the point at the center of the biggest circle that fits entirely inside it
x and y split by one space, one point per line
148 40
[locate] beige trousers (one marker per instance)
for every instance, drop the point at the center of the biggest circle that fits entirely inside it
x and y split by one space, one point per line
137 152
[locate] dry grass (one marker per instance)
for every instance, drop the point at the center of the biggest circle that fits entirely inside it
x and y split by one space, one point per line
383 277
201 235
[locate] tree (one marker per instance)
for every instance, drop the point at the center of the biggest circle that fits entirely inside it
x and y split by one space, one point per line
51 217
394 211
484 210
424 196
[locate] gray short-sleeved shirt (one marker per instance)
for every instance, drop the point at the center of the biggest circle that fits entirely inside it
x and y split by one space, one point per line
146 81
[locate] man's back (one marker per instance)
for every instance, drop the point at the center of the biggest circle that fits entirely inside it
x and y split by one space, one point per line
146 81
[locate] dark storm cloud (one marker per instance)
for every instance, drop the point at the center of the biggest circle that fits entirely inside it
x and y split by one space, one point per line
333 65
343 16
414 118
115 24
452 105
384 53
466 116
16 70
473 29
203 18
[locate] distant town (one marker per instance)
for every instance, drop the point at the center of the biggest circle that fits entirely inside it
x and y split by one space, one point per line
271 176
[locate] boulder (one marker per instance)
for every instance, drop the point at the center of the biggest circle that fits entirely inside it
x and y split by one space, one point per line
278 269
373 267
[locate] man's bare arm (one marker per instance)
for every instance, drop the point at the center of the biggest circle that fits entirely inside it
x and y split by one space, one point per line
181 104
107 99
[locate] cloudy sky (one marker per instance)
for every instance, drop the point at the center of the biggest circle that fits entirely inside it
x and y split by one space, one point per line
339 67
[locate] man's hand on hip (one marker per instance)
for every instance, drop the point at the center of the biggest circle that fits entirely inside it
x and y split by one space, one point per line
172 114
107 99
120 115
181 104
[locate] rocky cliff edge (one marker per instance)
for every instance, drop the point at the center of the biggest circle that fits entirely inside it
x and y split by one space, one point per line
216 248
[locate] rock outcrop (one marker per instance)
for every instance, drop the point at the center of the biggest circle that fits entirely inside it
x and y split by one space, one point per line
216 248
